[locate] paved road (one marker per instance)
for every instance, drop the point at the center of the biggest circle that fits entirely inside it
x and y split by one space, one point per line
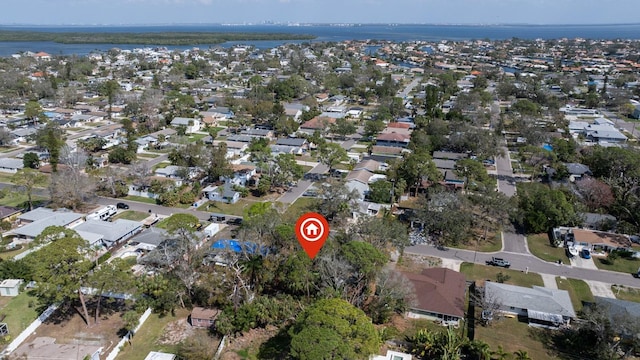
157 160
506 182
522 262
629 126
511 242
405 92
303 185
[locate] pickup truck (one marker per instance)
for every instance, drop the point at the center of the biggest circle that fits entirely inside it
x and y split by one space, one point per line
499 262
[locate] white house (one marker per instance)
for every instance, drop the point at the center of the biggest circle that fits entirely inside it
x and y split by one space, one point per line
192 125
241 175
10 287
10 165
224 194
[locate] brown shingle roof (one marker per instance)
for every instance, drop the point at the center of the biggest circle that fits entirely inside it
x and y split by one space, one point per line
439 290
205 314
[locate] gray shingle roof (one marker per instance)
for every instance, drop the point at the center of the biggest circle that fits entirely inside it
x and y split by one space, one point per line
45 220
110 231
537 298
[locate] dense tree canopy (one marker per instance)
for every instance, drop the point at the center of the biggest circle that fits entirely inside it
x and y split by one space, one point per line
333 329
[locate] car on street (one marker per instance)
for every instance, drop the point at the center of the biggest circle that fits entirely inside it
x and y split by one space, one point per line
499 262
122 205
585 254
235 221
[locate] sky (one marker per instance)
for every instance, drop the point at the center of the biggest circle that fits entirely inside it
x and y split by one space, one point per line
125 12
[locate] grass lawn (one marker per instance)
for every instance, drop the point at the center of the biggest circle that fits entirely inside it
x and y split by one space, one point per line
196 137
512 335
306 168
19 314
236 209
299 207
146 339
484 272
147 155
7 149
540 246
19 199
160 165
10 254
131 215
626 293
579 291
628 266
492 244
140 199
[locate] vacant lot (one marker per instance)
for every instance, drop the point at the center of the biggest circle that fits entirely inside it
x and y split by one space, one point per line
20 311
131 215
626 293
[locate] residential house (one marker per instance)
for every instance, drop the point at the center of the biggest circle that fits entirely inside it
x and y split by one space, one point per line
385 153
591 239
293 142
234 148
35 221
595 221
295 110
577 170
440 295
241 175
283 149
542 306
7 212
111 134
392 355
625 314
191 125
223 111
108 234
602 131
11 165
258 133
224 193
359 181
212 118
240 138
10 287
394 139
203 318
447 155
318 123
23 135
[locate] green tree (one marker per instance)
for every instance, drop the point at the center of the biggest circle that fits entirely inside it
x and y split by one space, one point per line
285 170
110 89
27 180
51 138
177 222
475 174
121 155
62 269
33 111
331 154
542 208
521 355
380 191
218 165
115 277
373 127
343 127
333 329
31 160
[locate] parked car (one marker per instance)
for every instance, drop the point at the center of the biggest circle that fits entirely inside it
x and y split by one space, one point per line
499 262
585 254
234 221
217 217
122 205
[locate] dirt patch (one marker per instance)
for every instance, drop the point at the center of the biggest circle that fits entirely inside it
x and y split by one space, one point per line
67 327
250 341
175 332
416 263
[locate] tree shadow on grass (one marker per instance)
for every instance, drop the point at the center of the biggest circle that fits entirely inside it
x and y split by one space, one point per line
276 347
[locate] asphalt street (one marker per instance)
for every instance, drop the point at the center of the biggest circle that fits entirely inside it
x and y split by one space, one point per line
523 261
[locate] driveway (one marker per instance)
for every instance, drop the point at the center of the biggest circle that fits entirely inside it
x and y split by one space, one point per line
514 243
583 263
295 192
506 183
600 289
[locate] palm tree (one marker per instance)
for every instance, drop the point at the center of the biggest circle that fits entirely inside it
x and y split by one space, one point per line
499 354
521 355
253 267
478 350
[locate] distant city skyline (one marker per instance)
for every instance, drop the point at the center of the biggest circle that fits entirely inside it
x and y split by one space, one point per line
468 12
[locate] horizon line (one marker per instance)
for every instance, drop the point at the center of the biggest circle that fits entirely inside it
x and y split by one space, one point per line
296 23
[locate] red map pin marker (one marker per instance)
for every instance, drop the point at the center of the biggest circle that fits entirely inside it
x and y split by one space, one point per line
312 230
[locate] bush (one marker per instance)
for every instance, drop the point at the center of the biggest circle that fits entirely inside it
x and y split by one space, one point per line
501 277
104 258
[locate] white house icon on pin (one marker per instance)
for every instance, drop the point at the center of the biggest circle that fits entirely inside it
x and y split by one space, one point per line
311 230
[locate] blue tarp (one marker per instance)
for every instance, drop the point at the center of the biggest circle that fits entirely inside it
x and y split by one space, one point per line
237 246
547 147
